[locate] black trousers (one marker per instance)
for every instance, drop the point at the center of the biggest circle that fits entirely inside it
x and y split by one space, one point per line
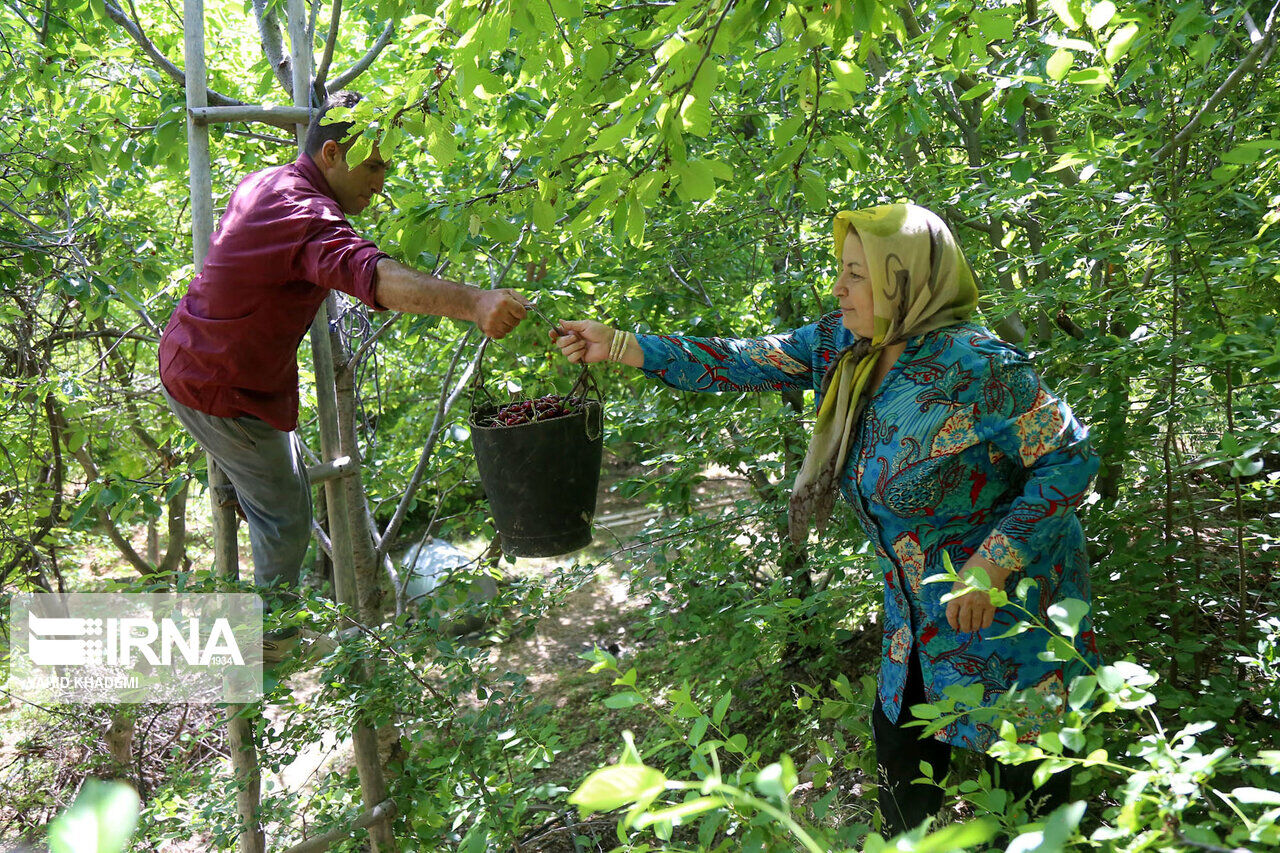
899 751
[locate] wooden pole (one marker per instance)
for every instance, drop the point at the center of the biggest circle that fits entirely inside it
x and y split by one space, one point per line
338 494
325 471
244 752
286 117
200 178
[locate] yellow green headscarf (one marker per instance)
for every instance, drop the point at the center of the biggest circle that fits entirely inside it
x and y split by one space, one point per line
920 281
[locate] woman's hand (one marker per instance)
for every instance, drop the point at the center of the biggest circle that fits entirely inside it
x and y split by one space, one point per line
588 342
974 611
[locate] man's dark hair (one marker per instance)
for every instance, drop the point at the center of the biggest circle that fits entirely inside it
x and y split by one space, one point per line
318 132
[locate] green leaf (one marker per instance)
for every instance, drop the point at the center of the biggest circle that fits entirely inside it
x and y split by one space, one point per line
1101 14
677 815
1054 833
722 170
814 189
1093 76
441 142
1068 11
596 62
718 712
617 786
610 135
777 780
925 711
1119 44
1048 768
978 91
849 76
695 117
635 220
698 730
1251 151
1068 614
997 24
957 836
1256 796
1059 64
1072 739
359 150
1110 679
623 700
696 180
1082 690
1246 467
544 215
101 820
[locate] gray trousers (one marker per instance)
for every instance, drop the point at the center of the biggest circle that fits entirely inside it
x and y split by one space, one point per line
267 470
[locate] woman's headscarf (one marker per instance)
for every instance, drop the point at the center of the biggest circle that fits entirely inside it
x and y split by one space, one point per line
920 281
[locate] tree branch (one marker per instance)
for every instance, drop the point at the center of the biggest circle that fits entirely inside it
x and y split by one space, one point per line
91 471
363 63
443 405
159 59
176 544
1233 80
326 59
273 44
17 10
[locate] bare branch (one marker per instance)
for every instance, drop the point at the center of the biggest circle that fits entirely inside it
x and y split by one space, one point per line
159 59
445 403
273 44
326 59
370 341
362 64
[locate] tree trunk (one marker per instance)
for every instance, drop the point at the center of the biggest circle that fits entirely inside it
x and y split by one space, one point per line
119 740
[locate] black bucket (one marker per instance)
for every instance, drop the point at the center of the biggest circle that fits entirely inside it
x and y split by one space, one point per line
541 477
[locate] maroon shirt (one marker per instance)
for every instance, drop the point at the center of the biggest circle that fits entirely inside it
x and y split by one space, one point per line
231 347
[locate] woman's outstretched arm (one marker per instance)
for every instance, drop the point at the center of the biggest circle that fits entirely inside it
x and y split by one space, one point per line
769 363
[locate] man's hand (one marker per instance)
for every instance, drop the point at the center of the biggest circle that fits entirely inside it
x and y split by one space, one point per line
497 312
974 611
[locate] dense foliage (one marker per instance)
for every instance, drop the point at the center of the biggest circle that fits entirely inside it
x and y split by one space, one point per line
1113 171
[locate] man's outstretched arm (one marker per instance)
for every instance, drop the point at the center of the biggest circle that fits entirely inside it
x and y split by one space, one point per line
402 288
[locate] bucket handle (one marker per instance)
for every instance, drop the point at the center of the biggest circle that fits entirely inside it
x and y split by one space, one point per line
585 385
477 383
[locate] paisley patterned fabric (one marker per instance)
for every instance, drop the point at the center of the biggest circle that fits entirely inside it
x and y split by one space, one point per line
963 451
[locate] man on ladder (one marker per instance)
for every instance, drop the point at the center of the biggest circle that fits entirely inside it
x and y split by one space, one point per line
228 358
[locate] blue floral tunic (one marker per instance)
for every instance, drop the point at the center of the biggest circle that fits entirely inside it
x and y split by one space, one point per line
962 450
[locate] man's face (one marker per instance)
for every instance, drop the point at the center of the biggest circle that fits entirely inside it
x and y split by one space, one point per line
353 186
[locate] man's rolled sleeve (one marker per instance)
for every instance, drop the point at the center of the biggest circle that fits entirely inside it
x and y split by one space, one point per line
334 256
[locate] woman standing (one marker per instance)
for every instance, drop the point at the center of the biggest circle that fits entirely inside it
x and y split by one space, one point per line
945 441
